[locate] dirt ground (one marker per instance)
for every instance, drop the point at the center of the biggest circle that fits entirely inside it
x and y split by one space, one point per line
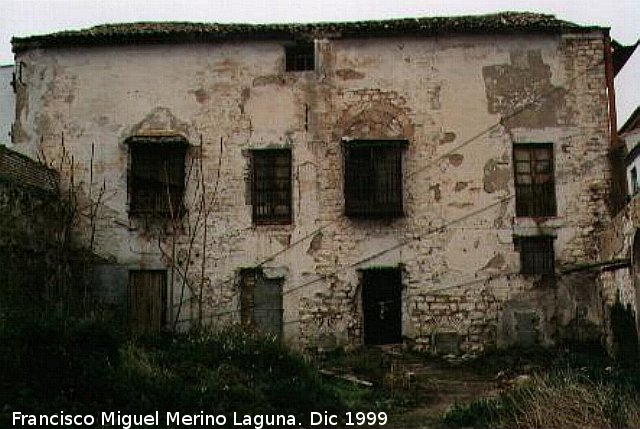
431 385
436 388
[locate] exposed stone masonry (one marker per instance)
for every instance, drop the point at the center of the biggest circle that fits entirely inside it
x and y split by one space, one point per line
451 97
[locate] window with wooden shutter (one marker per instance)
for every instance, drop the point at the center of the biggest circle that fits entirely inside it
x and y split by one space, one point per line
147 300
534 180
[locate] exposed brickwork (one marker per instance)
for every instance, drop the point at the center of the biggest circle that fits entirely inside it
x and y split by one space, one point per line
474 317
455 243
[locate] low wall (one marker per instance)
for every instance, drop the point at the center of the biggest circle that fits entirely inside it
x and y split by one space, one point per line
619 278
34 264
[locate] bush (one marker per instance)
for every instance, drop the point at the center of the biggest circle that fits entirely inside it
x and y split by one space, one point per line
560 399
51 365
224 371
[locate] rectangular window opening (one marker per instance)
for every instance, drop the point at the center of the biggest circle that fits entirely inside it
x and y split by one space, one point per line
535 180
634 181
271 186
536 255
300 57
373 178
157 179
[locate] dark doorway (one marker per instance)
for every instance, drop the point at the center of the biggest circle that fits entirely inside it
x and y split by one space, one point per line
261 301
147 300
381 305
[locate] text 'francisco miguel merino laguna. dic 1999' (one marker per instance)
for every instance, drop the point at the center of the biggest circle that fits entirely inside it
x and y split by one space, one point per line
202 420
171 419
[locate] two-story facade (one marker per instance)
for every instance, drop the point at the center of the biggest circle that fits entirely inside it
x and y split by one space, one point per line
427 181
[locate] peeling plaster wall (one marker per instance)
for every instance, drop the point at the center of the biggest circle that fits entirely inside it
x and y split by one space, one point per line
451 97
7 104
632 139
621 241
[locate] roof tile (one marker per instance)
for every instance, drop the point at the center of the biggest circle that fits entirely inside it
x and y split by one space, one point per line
157 32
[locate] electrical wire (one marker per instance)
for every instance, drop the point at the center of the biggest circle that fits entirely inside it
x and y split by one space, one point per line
589 163
538 99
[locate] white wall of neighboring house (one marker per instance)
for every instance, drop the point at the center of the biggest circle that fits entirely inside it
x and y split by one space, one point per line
7 104
632 140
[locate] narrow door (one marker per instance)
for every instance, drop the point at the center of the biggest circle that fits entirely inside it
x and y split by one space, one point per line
261 302
381 305
147 300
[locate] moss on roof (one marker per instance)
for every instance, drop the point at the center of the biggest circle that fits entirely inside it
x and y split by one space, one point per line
163 32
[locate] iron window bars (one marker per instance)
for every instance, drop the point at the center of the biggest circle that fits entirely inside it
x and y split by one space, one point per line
156 184
536 255
300 57
271 186
373 178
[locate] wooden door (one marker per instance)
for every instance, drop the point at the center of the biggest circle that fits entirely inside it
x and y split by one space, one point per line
381 306
147 300
261 302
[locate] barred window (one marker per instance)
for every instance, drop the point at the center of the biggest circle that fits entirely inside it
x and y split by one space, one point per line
156 182
536 255
300 57
534 177
373 178
271 186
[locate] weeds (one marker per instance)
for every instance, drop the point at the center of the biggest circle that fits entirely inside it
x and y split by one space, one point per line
370 363
50 366
565 398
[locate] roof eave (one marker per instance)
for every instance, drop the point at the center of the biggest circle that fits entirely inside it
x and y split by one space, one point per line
180 32
621 55
631 122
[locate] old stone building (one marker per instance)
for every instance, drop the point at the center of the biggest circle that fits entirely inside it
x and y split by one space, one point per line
436 181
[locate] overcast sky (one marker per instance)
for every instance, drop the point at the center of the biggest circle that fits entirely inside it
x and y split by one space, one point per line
29 17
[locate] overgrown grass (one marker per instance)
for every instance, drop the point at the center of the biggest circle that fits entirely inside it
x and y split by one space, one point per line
83 367
560 399
371 363
518 359
568 387
374 365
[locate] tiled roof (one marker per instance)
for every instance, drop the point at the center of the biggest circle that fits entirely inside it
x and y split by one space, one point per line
163 32
632 122
24 171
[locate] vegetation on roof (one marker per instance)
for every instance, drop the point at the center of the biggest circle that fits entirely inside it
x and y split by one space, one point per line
153 32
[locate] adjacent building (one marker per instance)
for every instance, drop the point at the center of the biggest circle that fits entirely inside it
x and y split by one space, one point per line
7 103
630 134
437 182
